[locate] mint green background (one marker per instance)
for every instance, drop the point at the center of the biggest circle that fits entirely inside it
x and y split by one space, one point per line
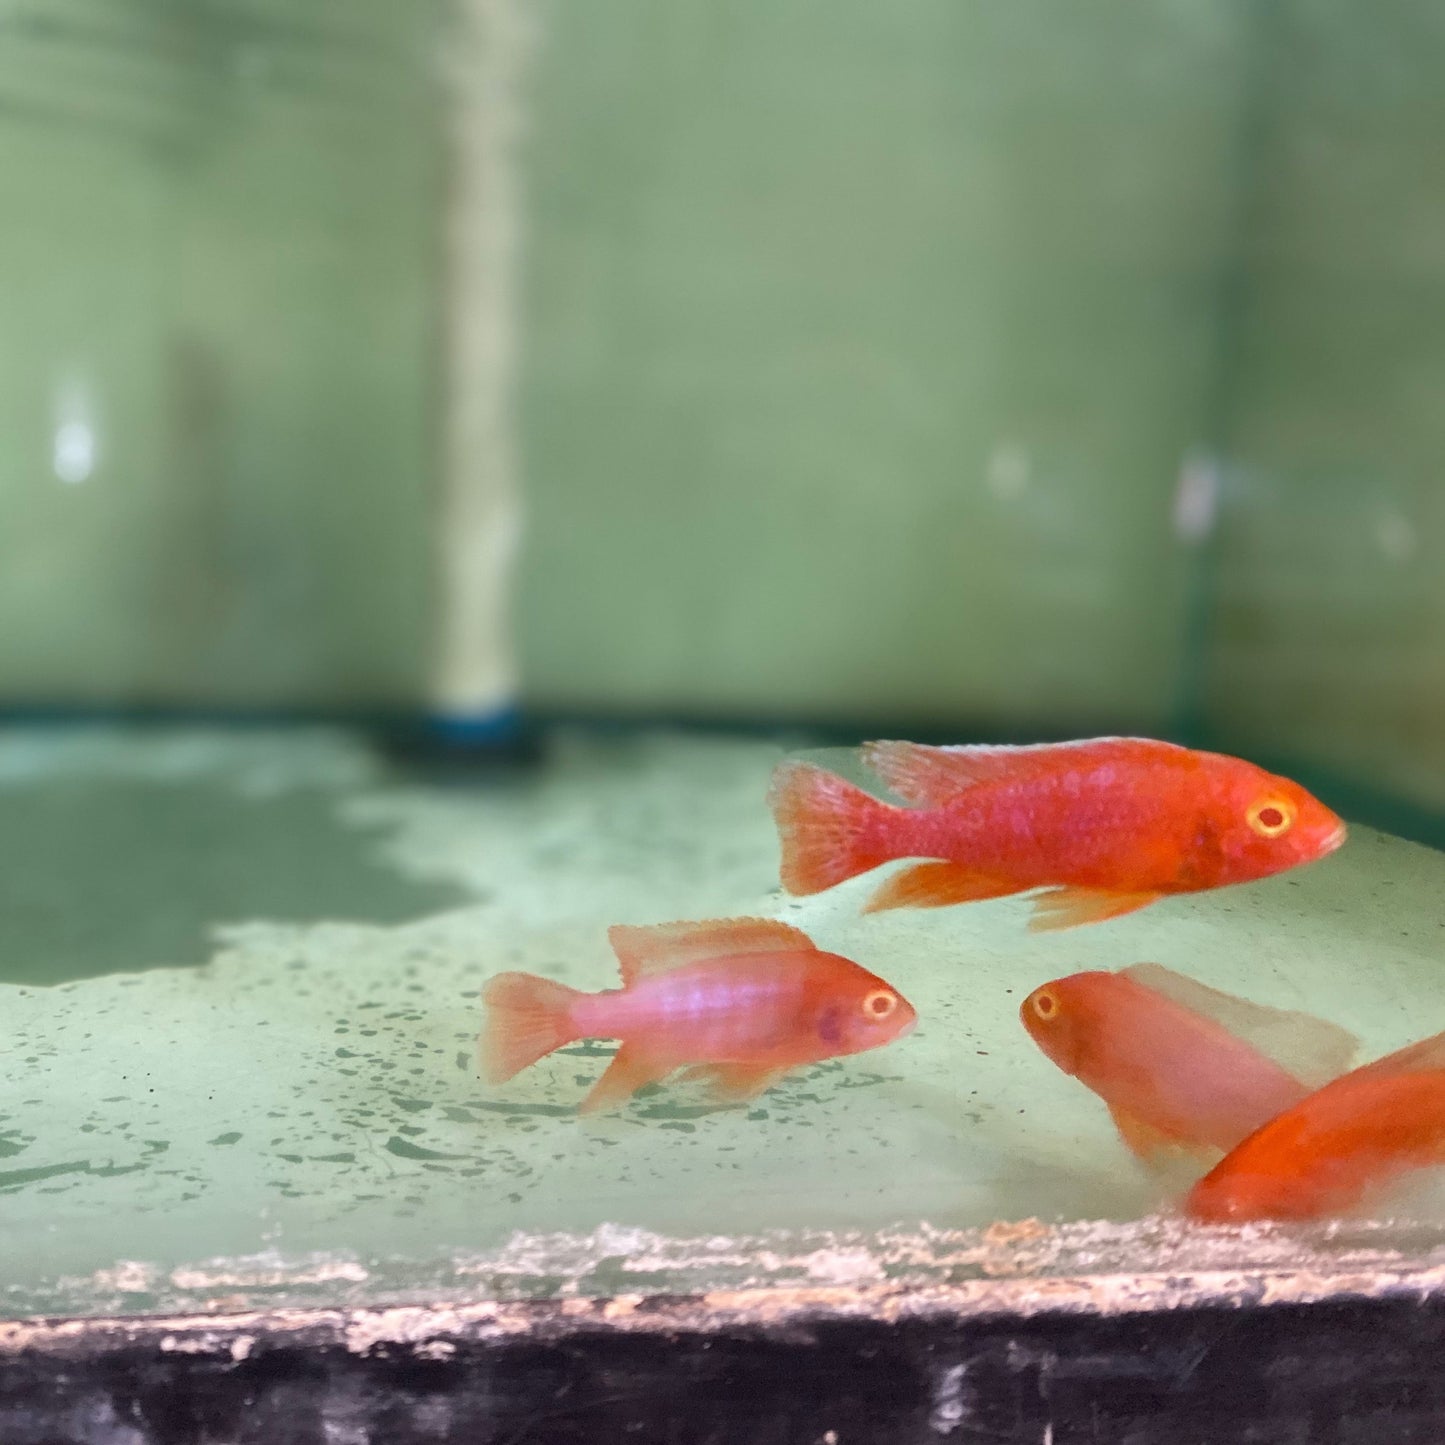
1330 594
799 272
859 350
219 223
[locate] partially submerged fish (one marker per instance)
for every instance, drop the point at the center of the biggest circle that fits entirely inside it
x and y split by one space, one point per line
743 1000
1106 825
1181 1067
1336 1148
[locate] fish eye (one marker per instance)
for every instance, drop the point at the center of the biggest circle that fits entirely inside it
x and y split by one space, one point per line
1271 816
880 1003
1045 1005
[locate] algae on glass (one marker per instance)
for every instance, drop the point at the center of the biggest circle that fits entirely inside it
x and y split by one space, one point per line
288 1099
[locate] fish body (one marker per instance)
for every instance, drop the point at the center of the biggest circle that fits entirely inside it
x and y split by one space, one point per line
769 1009
741 1000
1108 825
1179 1065
1335 1148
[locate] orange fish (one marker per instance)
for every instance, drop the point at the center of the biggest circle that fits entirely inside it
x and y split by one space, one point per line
1337 1147
743 999
1107 825
1181 1066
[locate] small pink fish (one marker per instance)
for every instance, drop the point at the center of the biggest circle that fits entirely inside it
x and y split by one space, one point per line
1182 1067
1106 825
743 1000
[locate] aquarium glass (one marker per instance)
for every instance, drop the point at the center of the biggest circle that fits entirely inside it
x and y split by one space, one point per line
834 370
241 1056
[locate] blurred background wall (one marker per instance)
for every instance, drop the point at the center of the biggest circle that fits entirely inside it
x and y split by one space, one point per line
1327 606
218 297
1013 369
865 347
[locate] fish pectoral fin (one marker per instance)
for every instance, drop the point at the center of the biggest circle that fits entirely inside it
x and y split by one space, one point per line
735 1083
1068 907
936 885
1155 1147
629 1070
645 950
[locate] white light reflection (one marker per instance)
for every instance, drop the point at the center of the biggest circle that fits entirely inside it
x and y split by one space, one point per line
74 455
1395 536
74 448
1196 499
1008 471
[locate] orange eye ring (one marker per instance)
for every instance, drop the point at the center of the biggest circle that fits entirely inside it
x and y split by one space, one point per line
880 1003
1271 816
1046 1006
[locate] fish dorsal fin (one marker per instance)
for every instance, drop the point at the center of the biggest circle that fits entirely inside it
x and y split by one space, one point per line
1309 1048
656 948
1427 1054
930 776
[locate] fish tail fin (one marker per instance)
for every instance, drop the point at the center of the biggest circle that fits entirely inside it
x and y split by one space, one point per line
527 1017
829 829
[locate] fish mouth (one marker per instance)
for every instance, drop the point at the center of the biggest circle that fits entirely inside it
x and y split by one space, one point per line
1335 838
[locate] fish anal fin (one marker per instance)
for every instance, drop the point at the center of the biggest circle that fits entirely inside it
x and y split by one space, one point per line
1156 1147
643 951
1311 1049
1142 1139
936 885
931 775
734 1083
1068 907
630 1069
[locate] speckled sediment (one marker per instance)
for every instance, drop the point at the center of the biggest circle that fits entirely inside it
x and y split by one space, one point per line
291 1117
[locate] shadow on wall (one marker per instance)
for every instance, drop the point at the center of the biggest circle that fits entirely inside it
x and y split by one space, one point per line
116 876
